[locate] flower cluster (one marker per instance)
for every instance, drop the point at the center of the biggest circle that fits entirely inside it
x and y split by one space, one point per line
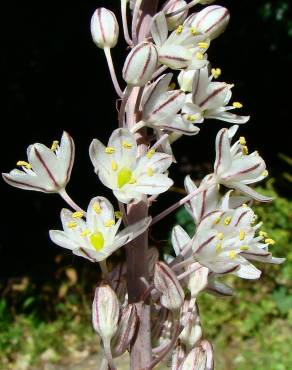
156 108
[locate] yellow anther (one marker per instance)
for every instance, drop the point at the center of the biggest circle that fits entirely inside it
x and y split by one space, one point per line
270 241
256 153
255 217
241 235
194 31
199 55
179 29
220 236
78 214
109 223
237 104
242 140
118 214
132 180
109 150
124 177
72 224
150 153
150 171
97 240
218 219
172 86
218 247
227 220
232 254
192 117
114 166
245 150
216 72
24 164
127 145
244 205
203 45
244 248
265 173
263 234
54 145
96 208
85 232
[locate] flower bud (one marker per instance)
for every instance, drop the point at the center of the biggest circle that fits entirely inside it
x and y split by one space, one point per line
198 281
171 6
117 278
208 348
167 283
195 360
140 64
104 28
105 312
185 80
126 330
211 21
192 332
178 357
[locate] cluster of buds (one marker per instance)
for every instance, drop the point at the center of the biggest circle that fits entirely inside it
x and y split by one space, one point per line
157 107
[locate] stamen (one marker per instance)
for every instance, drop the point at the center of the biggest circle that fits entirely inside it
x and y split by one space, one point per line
85 232
192 117
179 29
270 241
127 145
24 164
199 55
133 180
150 171
244 150
244 248
54 145
232 254
72 224
96 208
172 86
216 72
220 236
218 219
218 247
118 215
150 153
109 150
263 234
77 214
237 104
194 31
244 205
241 235
109 223
265 173
227 220
114 166
203 45
242 140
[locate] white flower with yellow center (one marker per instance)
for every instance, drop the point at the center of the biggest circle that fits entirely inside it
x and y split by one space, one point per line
95 238
129 177
47 170
208 100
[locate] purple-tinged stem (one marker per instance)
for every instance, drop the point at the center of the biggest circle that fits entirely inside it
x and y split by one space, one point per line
125 22
70 201
107 52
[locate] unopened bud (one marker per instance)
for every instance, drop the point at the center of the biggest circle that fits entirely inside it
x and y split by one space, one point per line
168 285
178 356
185 80
140 64
211 21
172 6
195 360
117 278
105 312
192 332
126 330
104 28
198 281
208 348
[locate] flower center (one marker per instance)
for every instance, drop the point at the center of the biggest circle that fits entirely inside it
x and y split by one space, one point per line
124 177
97 240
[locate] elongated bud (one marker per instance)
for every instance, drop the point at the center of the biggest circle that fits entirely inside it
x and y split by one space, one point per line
126 330
198 281
140 64
104 28
208 348
211 21
192 332
105 312
195 360
118 281
167 283
171 6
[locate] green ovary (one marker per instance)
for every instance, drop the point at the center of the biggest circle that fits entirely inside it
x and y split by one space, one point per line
97 240
124 177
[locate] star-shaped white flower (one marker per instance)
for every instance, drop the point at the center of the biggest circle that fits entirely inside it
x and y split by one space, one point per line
235 168
209 100
47 170
130 177
95 238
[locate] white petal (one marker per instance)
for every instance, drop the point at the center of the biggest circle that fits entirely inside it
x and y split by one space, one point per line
158 163
62 239
124 155
229 117
177 124
159 30
22 180
249 191
156 184
179 239
65 156
175 56
223 155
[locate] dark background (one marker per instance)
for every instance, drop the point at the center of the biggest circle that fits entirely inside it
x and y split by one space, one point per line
53 78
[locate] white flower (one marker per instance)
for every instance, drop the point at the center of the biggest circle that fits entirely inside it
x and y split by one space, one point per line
226 240
208 99
129 177
104 28
96 238
235 168
47 170
183 48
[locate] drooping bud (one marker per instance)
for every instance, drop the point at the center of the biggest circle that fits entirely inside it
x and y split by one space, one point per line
168 285
172 6
126 330
104 28
211 21
195 360
208 348
178 356
105 312
198 281
140 64
192 332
